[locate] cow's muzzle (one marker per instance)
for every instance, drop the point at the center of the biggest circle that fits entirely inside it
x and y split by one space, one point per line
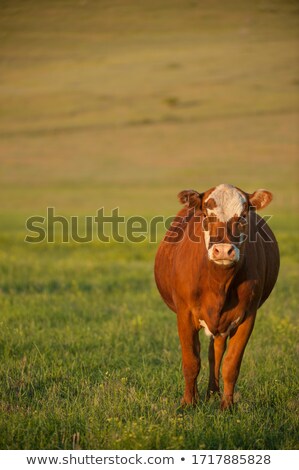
224 254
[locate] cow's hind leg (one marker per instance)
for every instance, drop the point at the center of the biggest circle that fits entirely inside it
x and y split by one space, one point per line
216 351
233 359
190 345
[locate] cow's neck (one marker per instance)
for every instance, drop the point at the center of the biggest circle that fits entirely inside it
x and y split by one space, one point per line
217 281
219 278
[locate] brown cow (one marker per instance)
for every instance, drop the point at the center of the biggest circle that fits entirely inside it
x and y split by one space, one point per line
216 266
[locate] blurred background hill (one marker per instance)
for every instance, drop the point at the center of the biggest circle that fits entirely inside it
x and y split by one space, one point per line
125 103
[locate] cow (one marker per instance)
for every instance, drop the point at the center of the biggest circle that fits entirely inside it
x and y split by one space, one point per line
216 265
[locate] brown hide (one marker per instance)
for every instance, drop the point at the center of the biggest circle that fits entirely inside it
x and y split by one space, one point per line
222 299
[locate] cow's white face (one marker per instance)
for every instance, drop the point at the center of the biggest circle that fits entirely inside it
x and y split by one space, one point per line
225 207
228 202
225 213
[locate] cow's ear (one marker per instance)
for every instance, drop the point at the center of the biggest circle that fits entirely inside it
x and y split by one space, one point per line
191 198
260 199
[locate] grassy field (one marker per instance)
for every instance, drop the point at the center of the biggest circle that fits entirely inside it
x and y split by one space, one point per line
124 104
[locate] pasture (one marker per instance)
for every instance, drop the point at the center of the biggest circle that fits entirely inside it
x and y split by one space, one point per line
123 104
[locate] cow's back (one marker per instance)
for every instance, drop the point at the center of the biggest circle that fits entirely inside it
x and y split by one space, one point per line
165 258
267 254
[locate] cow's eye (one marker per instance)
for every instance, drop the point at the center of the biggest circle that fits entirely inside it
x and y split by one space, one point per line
241 227
242 220
205 223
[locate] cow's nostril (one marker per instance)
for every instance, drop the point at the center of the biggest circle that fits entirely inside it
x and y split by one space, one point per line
230 251
216 250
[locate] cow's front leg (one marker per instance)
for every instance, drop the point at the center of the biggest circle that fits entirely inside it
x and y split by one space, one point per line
233 359
216 350
190 345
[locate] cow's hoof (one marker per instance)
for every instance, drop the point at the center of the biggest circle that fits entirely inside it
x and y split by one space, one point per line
226 403
188 403
212 394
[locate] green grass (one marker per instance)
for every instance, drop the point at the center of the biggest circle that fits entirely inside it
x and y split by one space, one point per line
124 104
